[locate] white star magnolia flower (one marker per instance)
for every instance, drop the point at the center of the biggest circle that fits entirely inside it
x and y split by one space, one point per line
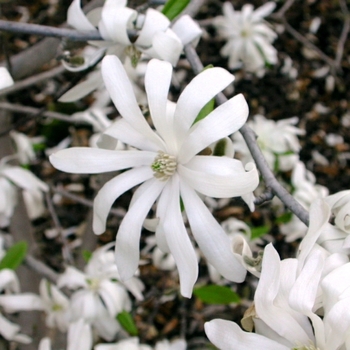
154 37
249 37
167 164
100 297
289 296
275 140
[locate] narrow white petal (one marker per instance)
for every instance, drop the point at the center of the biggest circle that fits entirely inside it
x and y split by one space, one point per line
8 329
186 29
112 190
263 11
5 78
196 94
233 180
265 296
228 335
166 46
210 236
121 130
79 336
72 278
21 302
178 241
127 248
122 94
115 21
24 178
45 344
223 121
77 19
154 21
157 82
85 160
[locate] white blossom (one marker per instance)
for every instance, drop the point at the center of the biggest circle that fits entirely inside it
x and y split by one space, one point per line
278 142
248 37
169 165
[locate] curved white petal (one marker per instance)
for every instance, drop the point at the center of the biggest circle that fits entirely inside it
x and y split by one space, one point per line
80 90
79 336
154 21
197 93
223 121
228 335
10 331
8 281
210 236
122 94
115 21
263 11
121 130
265 296
45 344
72 278
219 185
178 241
157 82
85 160
77 19
112 190
128 236
166 46
23 178
186 29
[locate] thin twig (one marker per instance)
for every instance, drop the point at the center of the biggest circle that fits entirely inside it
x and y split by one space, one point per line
284 8
41 268
344 34
265 197
116 212
66 252
38 29
23 84
250 138
34 111
308 43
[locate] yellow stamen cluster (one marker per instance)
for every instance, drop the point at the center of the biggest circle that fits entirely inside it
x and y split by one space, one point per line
164 166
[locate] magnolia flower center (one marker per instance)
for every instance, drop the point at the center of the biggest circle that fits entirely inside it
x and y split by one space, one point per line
94 284
134 54
164 166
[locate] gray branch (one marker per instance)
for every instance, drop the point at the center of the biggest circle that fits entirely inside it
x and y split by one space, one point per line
37 29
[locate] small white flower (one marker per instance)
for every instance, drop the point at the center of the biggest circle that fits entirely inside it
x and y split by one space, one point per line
168 165
100 297
278 141
249 37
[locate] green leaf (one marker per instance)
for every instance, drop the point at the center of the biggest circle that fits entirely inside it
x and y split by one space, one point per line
214 294
209 107
14 256
259 231
87 254
284 218
220 147
172 8
126 321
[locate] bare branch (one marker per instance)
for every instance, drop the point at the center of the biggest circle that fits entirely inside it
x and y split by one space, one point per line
23 84
35 111
250 138
344 34
37 29
41 268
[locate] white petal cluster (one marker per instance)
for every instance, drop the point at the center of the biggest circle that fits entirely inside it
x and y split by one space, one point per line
168 165
278 142
11 301
301 303
151 32
12 176
98 297
248 37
